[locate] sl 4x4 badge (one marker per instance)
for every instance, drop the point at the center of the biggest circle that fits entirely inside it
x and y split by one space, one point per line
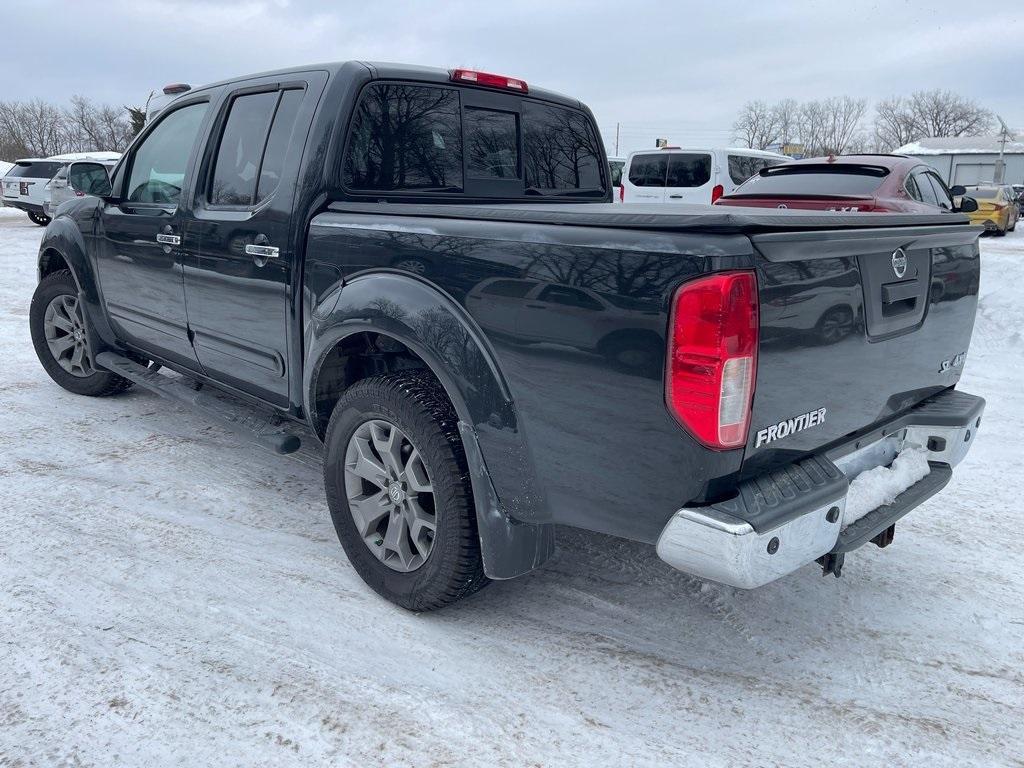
957 361
788 427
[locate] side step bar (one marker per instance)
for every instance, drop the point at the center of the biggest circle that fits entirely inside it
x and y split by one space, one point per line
240 419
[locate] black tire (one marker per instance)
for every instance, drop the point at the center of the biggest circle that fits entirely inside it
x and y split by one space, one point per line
414 402
99 383
39 218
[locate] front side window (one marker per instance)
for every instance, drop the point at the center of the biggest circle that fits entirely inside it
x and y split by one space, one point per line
688 170
648 170
492 144
405 137
561 151
158 165
742 167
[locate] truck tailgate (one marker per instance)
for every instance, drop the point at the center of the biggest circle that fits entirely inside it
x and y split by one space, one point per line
856 327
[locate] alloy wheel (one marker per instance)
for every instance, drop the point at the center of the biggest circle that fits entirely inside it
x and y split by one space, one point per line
64 327
390 495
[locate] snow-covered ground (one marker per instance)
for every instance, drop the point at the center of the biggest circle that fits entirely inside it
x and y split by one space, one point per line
170 595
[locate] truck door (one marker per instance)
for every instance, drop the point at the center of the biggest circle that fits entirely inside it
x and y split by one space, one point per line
240 280
141 235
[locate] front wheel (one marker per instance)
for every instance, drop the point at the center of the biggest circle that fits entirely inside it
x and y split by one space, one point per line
39 218
60 336
399 492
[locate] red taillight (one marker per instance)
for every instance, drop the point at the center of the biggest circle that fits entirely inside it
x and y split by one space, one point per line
622 193
717 192
712 357
490 80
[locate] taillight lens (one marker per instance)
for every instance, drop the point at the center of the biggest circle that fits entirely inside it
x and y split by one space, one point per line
712 357
622 193
716 192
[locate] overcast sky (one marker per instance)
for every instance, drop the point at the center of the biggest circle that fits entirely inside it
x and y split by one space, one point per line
660 69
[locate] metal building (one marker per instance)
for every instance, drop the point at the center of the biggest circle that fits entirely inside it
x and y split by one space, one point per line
969 159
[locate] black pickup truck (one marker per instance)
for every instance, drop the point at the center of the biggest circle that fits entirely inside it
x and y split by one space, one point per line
424 268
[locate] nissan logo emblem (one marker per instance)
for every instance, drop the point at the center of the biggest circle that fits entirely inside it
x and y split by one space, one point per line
783 205
899 262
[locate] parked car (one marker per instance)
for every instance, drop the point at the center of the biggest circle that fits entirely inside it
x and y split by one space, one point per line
458 431
674 175
24 186
997 210
81 174
864 183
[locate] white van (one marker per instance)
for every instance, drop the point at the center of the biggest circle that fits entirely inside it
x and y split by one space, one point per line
676 175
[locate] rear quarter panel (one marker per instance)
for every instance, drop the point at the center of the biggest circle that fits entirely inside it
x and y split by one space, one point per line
580 346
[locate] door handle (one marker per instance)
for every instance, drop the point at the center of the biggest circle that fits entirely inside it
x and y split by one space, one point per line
262 251
676 197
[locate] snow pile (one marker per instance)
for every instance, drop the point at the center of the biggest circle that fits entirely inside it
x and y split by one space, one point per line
881 485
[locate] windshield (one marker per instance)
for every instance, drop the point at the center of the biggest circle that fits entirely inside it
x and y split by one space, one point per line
41 170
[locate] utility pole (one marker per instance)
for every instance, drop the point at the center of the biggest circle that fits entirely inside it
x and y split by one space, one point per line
617 139
1004 136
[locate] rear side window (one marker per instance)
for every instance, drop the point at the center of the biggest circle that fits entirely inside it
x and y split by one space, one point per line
33 171
814 180
405 137
648 170
926 189
742 167
236 170
278 142
942 195
562 151
688 170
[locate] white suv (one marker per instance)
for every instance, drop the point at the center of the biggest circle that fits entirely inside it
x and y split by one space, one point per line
80 174
675 175
24 186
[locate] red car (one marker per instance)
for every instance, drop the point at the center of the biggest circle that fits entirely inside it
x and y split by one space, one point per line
878 183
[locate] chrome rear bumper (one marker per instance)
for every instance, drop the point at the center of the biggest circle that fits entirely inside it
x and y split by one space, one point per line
790 517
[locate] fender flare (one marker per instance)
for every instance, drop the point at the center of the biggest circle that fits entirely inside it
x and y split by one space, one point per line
514 535
64 237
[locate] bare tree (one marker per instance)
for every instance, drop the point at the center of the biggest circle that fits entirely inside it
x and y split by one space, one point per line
101 127
899 121
943 113
829 126
787 116
757 126
894 124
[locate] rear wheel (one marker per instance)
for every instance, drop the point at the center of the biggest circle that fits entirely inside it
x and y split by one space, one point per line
399 492
39 218
61 339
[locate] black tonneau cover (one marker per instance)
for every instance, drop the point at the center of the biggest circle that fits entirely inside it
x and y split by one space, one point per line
688 218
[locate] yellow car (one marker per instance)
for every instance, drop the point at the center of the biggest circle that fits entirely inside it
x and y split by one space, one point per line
997 211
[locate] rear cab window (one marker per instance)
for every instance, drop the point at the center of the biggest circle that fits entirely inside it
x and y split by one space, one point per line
418 139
